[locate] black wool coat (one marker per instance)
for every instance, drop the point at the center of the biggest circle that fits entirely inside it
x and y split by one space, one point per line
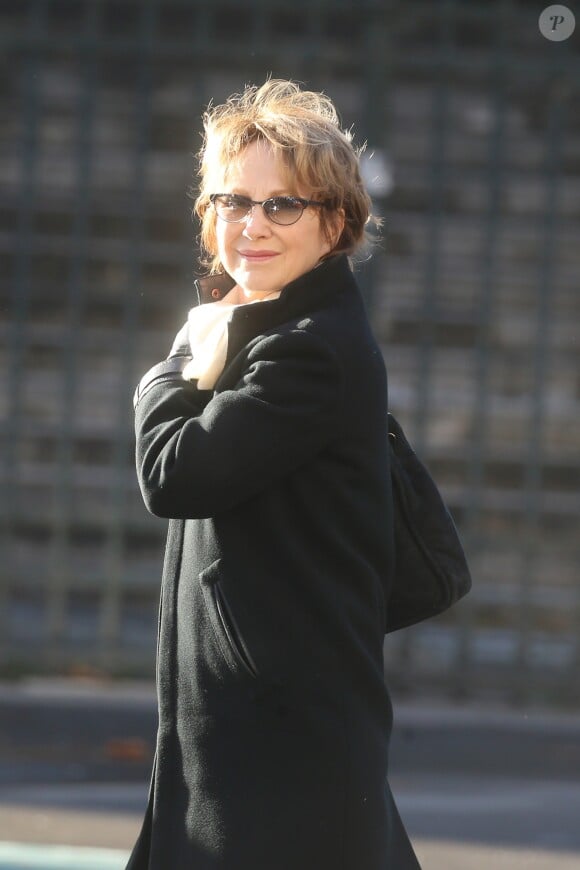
274 719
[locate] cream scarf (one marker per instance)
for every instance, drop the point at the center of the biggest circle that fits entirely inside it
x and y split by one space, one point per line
208 338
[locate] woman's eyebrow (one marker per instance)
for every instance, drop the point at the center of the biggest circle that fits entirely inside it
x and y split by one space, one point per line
283 192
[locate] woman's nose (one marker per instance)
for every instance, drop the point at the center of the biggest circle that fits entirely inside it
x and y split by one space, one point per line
256 222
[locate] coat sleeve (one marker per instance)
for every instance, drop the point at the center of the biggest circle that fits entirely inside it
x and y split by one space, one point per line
197 459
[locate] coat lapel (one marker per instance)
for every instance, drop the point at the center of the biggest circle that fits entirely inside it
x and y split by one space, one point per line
313 290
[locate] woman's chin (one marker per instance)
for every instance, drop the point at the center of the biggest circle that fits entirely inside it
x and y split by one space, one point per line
255 285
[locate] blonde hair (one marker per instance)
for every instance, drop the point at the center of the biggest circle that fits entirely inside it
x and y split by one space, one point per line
303 128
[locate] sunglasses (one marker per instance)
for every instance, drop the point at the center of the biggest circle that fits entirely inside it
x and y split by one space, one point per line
283 210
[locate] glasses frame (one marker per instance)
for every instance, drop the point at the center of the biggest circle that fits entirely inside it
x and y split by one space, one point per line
303 203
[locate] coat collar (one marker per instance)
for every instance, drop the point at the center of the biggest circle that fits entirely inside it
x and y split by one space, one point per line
310 292
306 293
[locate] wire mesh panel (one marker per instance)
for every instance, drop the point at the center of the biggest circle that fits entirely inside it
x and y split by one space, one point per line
480 318
473 159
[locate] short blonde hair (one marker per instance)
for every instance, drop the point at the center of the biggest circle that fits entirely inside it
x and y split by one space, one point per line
304 129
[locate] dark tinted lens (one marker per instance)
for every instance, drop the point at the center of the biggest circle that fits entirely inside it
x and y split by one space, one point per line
232 207
283 209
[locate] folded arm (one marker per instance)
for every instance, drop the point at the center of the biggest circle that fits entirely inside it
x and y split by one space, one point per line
197 458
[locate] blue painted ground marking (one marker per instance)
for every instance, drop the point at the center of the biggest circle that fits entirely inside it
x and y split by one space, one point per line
23 856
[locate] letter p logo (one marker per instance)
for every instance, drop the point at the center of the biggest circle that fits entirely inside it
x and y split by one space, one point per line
557 23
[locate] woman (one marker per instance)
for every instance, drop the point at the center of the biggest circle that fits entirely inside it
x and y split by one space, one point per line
263 440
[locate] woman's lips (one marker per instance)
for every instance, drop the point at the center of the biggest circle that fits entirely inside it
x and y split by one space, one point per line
257 256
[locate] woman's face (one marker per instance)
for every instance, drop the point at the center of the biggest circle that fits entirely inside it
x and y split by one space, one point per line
260 255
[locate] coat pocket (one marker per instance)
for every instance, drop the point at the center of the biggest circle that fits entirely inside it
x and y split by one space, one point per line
227 632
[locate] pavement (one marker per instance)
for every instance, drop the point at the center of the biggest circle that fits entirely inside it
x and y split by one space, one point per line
478 787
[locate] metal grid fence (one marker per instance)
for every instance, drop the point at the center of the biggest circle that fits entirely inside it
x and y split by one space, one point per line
468 114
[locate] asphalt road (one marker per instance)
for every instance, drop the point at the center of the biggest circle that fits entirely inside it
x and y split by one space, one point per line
477 788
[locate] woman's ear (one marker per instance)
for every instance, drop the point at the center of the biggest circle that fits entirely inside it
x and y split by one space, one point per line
335 227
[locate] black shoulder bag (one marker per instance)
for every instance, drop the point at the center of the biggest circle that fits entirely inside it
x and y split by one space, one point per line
431 571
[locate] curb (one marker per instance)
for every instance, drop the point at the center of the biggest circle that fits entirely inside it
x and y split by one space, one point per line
421 714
